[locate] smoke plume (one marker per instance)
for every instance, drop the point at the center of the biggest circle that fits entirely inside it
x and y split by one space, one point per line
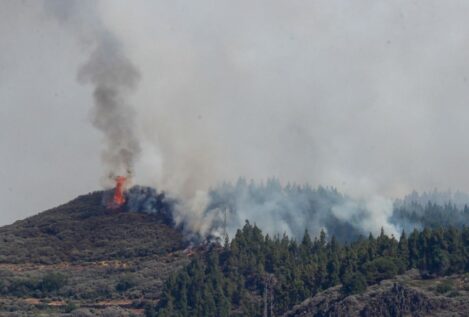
308 92
290 210
113 77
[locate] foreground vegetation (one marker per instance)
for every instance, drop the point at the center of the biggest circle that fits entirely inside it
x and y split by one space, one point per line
256 275
80 256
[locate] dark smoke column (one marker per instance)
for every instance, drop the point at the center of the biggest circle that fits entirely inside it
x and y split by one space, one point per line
113 76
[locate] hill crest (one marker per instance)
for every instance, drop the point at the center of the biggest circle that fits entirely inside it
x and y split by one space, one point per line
84 230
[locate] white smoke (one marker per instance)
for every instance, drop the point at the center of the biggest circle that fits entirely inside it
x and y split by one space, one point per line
368 215
290 210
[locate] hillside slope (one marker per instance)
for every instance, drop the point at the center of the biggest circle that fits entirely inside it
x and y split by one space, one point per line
82 255
81 260
83 230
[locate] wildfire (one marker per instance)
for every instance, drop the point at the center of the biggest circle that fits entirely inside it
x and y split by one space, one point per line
119 199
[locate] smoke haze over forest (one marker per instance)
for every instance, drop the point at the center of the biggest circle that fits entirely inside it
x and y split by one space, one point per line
369 98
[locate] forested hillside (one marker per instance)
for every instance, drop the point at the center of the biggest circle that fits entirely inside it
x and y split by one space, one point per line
416 215
255 275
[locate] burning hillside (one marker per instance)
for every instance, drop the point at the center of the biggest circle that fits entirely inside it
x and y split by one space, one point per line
139 199
118 198
85 230
94 257
278 209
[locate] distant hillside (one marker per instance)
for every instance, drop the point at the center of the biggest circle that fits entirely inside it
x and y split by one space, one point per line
457 198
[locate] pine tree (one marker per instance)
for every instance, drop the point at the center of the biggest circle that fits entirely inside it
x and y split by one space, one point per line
403 250
234 278
414 257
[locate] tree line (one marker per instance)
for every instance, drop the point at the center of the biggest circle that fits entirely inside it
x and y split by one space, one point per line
259 275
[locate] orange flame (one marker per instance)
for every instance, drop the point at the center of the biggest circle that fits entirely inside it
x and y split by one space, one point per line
118 198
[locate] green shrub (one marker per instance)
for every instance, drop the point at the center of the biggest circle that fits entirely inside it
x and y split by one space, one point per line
22 287
150 311
381 268
125 282
71 306
454 294
444 287
52 282
353 283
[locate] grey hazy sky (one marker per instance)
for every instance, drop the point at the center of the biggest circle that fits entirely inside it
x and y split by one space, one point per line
369 96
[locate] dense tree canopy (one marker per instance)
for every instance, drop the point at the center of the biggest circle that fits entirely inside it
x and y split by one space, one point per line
258 275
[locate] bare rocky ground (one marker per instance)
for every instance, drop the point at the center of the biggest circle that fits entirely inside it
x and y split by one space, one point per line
405 295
